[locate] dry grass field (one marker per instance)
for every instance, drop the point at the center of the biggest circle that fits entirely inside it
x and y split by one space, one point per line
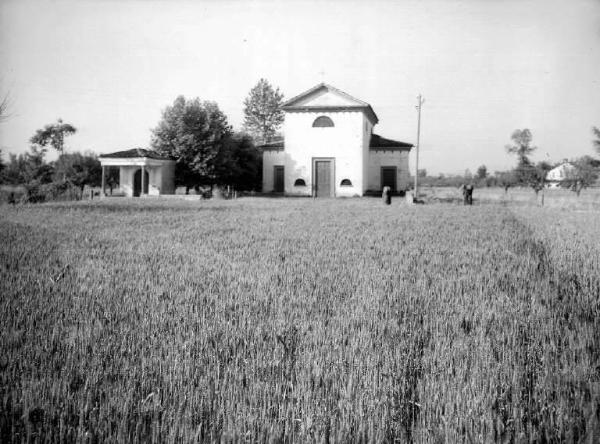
299 320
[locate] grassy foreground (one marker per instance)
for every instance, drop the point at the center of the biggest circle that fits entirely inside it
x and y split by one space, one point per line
298 320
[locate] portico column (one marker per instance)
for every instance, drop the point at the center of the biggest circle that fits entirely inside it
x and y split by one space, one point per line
143 180
103 193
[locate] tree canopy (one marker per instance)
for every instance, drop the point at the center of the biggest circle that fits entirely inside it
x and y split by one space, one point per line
78 169
262 111
192 132
521 144
482 172
526 173
53 135
238 163
27 168
583 175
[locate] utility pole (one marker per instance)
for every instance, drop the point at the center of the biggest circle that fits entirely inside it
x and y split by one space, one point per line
421 101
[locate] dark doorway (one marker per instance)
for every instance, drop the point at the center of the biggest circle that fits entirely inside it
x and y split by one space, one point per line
388 177
137 182
278 179
323 178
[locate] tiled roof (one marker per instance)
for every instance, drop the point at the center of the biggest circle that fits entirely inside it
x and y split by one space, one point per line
383 143
275 145
134 153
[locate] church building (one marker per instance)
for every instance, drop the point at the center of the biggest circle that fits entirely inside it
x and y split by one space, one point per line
329 149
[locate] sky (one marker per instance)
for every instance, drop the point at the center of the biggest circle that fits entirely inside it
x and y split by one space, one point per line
485 68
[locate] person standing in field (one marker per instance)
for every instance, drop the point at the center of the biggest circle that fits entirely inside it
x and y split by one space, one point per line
468 194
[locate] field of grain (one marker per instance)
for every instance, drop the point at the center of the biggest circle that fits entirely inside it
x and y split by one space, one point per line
299 320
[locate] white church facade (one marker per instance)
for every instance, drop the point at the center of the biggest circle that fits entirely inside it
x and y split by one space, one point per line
329 149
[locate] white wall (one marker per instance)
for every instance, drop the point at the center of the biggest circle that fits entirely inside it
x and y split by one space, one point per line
561 172
344 142
270 159
380 158
160 179
126 179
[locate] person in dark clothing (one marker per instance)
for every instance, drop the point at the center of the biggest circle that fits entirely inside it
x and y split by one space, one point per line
468 194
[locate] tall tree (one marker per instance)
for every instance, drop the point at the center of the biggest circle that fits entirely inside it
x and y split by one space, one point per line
596 142
521 146
192 132
262 111
525 172
53 135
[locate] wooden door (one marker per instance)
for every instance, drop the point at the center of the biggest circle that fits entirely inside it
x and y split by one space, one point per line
323 178
388 178
278 179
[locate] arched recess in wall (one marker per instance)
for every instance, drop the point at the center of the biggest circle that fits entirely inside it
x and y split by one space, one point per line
346 183
322 122
299 183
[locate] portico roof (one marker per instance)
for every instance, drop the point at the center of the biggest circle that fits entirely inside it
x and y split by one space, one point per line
134 153
134 157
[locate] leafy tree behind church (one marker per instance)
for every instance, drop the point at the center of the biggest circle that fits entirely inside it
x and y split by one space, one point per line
262 111
198 136
192 132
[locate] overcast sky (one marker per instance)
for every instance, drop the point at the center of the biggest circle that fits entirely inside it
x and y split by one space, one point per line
485 67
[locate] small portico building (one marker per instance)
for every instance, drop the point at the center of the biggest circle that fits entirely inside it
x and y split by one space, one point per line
141 172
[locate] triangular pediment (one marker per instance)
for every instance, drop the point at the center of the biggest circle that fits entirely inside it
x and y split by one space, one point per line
324 96
327 97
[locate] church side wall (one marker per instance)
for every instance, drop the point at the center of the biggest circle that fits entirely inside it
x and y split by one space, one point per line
270 159
342 142
380 158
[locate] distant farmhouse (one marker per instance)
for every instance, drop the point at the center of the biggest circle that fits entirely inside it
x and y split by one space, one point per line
329 149
141 172
559 174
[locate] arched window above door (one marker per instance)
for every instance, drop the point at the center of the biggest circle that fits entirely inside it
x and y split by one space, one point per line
322 122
